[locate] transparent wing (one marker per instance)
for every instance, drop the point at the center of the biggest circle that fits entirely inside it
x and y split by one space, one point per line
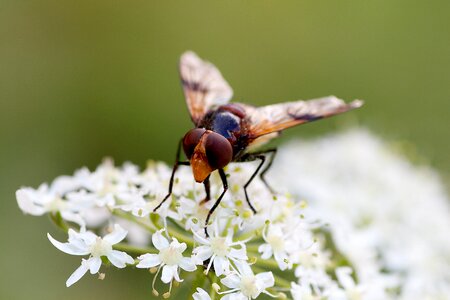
203 85
271 119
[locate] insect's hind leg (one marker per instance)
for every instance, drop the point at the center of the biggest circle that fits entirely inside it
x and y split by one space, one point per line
262 157
272 153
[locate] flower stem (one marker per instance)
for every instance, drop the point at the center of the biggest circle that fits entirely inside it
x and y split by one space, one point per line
59 221
148 226
132 249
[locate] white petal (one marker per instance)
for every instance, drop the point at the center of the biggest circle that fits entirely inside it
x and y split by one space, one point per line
281 258
243 267
238 253
234 296
221 265
119 259
88 237
232 281
77 274
200 239
265 280
76 239
201 295
265 250
344 277
203 253
67 247
168 273
187 264
177 245
148 260
159 241
117 235
176 276
26 204
94 264
73 217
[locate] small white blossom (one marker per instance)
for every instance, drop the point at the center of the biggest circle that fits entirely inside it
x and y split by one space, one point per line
46 200
351 290
170 258
302 292
276 244
87 243
201 295
244 284
219 250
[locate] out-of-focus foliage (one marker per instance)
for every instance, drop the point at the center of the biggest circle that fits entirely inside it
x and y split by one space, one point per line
80 80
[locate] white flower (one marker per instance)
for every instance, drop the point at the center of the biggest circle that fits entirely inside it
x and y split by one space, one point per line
316 278
352 291
384 212
87 243
302 292
47 200
370 212
201 295
276 241
219 250
193 212
170 257
246 285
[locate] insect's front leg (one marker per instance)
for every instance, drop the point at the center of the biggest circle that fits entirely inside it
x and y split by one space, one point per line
223 176
207 190
175 167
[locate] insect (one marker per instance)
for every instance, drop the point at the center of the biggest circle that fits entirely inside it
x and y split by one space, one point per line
229 132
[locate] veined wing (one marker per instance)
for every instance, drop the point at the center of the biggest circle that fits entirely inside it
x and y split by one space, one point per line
271 119
203 85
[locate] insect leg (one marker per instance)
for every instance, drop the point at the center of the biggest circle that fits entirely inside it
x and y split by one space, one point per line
250 158
207 191
262 157
175 167
273 152
223 176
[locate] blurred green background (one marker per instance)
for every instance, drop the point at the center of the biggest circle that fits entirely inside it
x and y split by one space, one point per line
81 80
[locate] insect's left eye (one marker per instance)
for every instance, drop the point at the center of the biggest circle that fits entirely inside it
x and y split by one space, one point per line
191 140
218 150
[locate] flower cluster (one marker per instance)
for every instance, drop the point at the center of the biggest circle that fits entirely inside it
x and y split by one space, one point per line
387 216
348 242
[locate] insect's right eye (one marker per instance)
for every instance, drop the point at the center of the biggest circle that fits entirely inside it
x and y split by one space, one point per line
191 140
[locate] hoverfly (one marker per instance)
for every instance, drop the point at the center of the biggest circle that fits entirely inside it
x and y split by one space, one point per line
228 132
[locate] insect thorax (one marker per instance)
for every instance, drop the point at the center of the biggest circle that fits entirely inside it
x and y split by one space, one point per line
228 124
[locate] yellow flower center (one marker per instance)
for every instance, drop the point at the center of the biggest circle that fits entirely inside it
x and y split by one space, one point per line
219 246
100 247
170 256
248 286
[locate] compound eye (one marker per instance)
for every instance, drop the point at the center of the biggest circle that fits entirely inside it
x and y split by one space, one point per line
218 150
191 140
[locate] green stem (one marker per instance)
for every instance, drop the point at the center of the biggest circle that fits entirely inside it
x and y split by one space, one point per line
252 248
152 227
148 226
132 249
59 222
212 291
179 235
266 263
